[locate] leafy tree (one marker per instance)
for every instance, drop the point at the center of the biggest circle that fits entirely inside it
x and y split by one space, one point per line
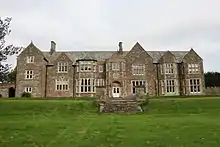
5 51
12 76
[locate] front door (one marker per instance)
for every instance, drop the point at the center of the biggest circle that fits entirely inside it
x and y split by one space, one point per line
116 91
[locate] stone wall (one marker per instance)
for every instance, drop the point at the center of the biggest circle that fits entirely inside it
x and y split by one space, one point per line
4 89
212 91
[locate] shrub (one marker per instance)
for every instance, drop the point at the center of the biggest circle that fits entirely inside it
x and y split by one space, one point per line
26 94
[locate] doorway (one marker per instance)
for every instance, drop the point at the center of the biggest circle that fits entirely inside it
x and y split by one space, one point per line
11 92
116 91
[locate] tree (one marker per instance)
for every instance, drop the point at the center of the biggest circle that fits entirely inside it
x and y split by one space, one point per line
12 76
5 51
212 79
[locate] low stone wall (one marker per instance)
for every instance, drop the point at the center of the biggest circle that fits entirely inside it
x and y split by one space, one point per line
119 106
212 91
4 89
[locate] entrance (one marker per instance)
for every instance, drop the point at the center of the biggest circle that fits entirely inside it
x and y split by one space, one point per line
11 92
116 91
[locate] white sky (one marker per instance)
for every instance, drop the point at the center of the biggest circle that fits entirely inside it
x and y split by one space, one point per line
101 24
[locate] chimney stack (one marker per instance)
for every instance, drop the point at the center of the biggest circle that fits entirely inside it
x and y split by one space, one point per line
52 47
120 47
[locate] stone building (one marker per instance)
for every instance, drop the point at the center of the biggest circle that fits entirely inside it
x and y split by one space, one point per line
119 73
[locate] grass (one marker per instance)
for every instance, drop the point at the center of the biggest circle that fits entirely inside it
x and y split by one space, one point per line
75 123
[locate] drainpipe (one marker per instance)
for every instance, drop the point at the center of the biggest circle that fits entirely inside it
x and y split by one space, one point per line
45 91
158 87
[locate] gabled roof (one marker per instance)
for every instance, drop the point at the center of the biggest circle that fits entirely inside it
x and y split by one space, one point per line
78 55
103 55
156 55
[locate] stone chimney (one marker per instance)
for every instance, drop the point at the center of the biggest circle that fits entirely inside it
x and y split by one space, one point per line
52 47
120 47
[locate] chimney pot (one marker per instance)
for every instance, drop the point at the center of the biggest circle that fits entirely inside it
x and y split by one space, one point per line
120 47
52 47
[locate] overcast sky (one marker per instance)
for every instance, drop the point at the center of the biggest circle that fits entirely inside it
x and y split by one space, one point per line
101 24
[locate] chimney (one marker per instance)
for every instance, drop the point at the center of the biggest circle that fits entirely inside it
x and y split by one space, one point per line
52 47
120 47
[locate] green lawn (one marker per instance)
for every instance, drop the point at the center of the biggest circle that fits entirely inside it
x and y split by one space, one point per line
68 123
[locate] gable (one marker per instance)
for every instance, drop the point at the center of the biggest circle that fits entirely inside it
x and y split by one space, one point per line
192 56
32 50
137 53
167 57
63 57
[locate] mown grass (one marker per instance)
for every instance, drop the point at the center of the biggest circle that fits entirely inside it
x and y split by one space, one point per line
76 123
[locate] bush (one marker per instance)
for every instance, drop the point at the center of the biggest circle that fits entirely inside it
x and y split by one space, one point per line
26 94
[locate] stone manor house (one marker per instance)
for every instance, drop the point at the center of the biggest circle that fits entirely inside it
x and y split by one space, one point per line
119 73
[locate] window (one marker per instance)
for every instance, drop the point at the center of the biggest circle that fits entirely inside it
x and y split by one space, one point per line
137 85
100 82
162 86
28 89
115 66
138 69
28 74
169 68
161 69
30 59
85 85
62 67
101 68
193 68
62 84
194 86
87 66
170 86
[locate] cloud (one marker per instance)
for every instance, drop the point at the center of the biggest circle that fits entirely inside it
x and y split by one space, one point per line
101 24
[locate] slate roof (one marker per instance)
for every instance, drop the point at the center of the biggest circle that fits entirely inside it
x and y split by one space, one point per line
103 55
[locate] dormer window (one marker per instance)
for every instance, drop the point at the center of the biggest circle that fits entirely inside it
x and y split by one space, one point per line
30 59
62 67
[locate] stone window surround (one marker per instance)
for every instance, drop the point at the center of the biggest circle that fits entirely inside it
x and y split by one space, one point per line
101 68
28 89
170 86
115 66
62 84
30 59
193 68
29 74
100 82
136 83
85 85
195 85
62 67
138 69
168 68
86 66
